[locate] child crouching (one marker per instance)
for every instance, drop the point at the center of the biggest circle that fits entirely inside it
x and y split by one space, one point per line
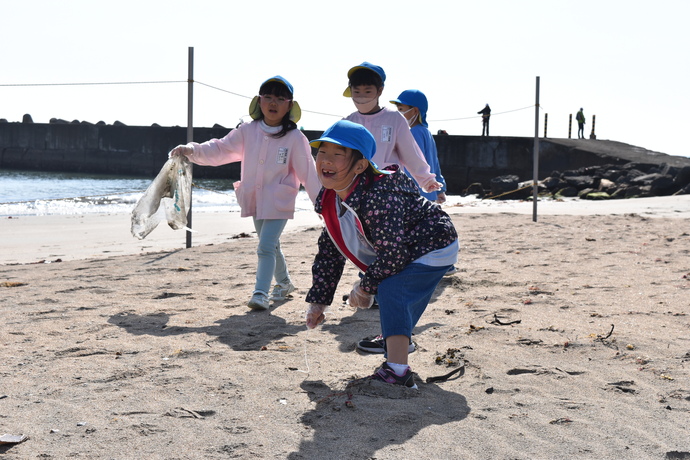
402 243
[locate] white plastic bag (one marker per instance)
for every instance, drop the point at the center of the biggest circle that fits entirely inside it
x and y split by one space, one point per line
167 198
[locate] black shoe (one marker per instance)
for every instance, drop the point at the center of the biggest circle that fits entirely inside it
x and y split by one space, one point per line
378 345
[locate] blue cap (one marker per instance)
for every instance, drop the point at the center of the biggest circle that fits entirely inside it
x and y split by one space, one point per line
295 111
354 136
364 65
282 80
414 98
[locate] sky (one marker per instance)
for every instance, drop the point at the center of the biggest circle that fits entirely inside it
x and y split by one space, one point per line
625 61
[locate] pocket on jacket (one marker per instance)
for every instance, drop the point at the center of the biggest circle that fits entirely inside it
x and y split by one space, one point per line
239 193
284 197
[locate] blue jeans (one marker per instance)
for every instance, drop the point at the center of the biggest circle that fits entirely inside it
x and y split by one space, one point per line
271 259
403 297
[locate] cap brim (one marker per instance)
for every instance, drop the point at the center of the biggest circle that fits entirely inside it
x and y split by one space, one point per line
255 110
316 143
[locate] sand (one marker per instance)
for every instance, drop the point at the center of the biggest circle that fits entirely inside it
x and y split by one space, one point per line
574 332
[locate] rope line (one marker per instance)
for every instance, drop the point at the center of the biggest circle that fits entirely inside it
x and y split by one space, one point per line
225 91
93 83
479 116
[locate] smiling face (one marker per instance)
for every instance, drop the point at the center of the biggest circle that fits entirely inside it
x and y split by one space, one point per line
337 168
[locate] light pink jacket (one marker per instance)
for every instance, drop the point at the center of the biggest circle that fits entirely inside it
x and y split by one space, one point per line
394 143
271 169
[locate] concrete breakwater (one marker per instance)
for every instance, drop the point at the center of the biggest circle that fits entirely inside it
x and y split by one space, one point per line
142 150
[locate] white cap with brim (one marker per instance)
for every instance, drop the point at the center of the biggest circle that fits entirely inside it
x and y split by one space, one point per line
354 136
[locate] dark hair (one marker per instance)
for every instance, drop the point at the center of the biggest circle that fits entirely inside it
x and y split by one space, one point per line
369 173
365 77
277 89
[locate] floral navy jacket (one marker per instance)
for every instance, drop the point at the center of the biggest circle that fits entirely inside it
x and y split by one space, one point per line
401 225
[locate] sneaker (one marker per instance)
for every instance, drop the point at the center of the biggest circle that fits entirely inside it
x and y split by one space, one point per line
259 301
386 374
378 345
281 291
451 271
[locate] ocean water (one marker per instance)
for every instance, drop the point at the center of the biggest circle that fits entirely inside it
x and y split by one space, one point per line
32 193
26 193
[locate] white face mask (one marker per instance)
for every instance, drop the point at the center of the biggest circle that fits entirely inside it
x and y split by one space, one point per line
411 121
365 104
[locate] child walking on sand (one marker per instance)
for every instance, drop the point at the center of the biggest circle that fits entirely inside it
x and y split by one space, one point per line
413 105
375 217
394 142
275 159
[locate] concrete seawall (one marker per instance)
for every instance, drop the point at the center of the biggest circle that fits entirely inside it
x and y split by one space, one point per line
142 150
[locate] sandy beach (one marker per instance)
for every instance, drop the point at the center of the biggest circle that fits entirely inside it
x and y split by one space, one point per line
574 332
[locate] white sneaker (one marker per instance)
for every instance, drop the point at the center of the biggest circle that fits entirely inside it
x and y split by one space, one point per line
281 291
259 301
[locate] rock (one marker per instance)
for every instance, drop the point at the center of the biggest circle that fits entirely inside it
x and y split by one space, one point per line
503 184
596 196
554 183
606 185
580 182
566 192
475 189
683 177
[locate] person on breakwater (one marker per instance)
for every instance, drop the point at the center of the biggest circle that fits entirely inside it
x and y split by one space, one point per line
275 159
375 217
486 115
580 117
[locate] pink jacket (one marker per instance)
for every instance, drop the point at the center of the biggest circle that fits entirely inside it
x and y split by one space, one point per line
394 143
271 169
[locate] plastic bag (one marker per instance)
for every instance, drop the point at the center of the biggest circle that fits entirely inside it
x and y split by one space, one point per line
167 199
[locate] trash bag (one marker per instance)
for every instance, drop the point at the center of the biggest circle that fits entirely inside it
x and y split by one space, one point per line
167 198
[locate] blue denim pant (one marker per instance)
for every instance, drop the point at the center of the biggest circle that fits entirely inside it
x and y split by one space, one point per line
403 297
271 259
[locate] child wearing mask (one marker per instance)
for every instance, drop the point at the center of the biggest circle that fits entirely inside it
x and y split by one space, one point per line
394 142
275 159
413 105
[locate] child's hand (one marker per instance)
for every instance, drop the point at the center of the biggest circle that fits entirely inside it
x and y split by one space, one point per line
315 315
181 150
359 298
431 186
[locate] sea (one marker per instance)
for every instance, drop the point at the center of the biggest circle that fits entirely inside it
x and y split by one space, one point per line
32 193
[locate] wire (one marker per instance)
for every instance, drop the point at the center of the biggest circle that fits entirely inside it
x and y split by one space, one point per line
222 90
94 83
479 116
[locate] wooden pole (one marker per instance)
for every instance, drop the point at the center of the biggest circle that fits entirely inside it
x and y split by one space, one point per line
190 130
535 159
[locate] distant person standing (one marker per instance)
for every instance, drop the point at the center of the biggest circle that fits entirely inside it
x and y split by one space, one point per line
486 114
580 117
